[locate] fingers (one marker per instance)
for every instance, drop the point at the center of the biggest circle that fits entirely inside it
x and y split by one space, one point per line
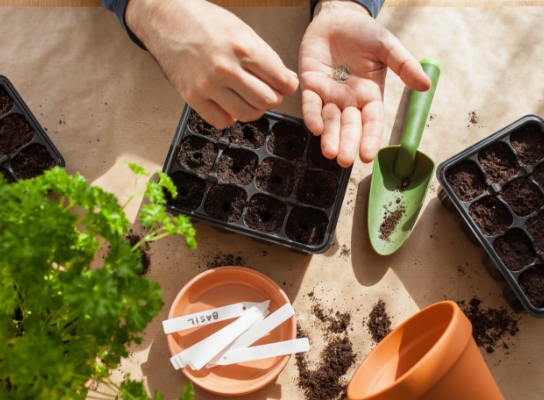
213 114
311 111
350 136
330 138
373 117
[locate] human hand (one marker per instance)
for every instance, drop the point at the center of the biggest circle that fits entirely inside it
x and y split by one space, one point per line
217 63
343 39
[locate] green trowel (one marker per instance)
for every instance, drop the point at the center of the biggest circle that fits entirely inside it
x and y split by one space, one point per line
401 175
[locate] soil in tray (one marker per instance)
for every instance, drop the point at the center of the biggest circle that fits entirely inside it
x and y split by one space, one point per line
265 213
237 166
532 284
32 161
288 140
316 158
514 249
528 141
191 191
15 132
538 174
535 227
317 189
198 125
466 180
225 202
276 176
6 103
522 196
248 134
491 216
498 162
306 225
197 154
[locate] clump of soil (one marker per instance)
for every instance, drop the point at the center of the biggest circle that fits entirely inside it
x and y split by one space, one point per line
491 216
276 176
248 134
324 380
522 196
473 117
226 202
237 166
341 74
390 222
32 161
498 162
535 227
197 154
528 141
190 188
379 323
317 189
490 326
514 249
6 103
133 239
225 260
538 174
265 213
5 173
316 158
198 125
466 180
306 225
288 140
404 185
532 284
15 132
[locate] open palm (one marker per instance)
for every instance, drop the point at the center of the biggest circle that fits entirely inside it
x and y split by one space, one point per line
348 113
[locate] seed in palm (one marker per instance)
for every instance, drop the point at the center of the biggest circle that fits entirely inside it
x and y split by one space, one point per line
341 74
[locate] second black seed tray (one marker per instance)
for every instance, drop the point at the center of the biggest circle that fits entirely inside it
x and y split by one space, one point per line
266 179
497 186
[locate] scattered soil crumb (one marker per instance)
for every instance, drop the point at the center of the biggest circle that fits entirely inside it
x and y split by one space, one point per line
345 251
341 74
223 260
390 222
473 117
489 325
133 239
461 270
404 184
379 323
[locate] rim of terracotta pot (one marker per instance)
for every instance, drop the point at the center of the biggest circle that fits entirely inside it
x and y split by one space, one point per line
261 284
441 331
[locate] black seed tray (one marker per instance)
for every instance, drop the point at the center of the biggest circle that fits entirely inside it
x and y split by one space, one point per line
504 212
25 148
266 179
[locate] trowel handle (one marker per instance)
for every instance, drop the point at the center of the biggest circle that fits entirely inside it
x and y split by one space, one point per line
414 122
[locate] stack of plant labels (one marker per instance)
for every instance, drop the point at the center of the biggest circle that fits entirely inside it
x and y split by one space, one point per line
231 344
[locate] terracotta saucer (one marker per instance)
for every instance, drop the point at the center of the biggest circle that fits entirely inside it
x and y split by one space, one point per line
220 287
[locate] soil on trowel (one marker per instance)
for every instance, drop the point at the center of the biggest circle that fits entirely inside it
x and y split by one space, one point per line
391 220
379 323
532 284
498 162
514 249
528 141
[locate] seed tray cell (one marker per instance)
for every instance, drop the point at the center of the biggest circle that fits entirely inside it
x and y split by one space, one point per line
266 179
497 187
25 149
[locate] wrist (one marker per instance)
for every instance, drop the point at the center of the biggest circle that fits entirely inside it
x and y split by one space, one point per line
326 6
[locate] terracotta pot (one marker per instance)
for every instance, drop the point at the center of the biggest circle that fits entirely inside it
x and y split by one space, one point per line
430 356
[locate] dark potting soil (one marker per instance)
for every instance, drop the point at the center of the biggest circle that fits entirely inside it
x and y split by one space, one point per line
491 215
191 191
379 323
306 225
6 103
224 260
528 141
538 174
522 196
466 180
32 161
198 125
532 284
248 134
6 175
535 227
133 239
317 189
15 132
498 162
265 213
197 154
288 140
226 202
390 221
490 326
324 379
276 176
237 166
316 158
514 249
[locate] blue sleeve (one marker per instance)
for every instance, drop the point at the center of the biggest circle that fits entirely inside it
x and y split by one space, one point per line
119 7
373 6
